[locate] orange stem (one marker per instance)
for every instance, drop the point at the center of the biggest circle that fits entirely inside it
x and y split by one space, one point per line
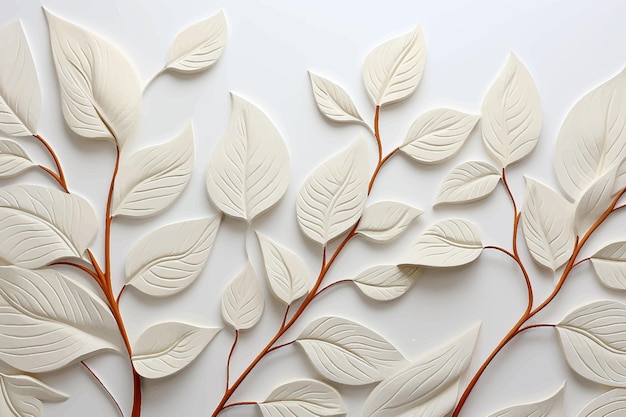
60 177
109 393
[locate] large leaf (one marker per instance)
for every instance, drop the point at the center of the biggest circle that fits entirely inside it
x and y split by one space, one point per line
612 403
48 321
303 398
249 171
333 101
242 302
594 201
609 264
469 181
549 407
40 225
386 220
386 282
100 88
21 395
13 159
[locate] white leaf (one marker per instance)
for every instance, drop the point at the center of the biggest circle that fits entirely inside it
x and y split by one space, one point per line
48 321
167 348
347 352
548 225
393 69
438 135
249 171
242 302
332 198
333 101
468 182
386 220
199 46
450 242
287 275
609 264
21 395
612 403
151 179
170 258
511 114
592 138
427 379
594 201
592 337
303 398
386 282
13 158
549 407
20 97
100 88
40 225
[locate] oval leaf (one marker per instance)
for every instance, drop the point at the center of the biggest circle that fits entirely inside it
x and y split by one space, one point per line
438 135
511 114
287 275
386 282
151 179
169 259
450 242
249 171
303 398
333 101
167 348
393 70
548 225
592 337
612 403
242 302
13 158
386 220
199 46
609 264
20 97
22 395
593 202
48 321
332 198
40 225
468 182
550 407
347 352
100 88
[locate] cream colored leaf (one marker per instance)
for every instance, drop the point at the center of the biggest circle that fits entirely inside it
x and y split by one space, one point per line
386 220
347 352
199 46
511 114
242 302
332 198
170 258
167 348
100 88
548 225
386 282
20 97
249 171
609 264
468 182
303 398
393 70
612 403
13 159
438 135
594 201
48 321
21 395
151 179
40 225
333 101
549 407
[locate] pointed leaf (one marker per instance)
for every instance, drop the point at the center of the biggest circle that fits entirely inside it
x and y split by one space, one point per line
242 302
333 101
13 159
550 407
386 282
468 182
612 403
303 398
593 202
386 220
609 264
22 395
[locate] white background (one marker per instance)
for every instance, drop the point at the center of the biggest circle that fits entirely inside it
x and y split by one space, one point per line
568 46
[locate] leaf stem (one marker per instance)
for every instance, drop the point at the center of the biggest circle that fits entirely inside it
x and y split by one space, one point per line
281 346
230 357
60 177
240 403
332 284
110 394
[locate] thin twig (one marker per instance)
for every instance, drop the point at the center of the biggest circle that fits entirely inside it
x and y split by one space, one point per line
119 294
239 403
230 357
60 177
281 346
580 262
117 405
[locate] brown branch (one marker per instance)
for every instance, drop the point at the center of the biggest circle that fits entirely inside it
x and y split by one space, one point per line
60 177
230 357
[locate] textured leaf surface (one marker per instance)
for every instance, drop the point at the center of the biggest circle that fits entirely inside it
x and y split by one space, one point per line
13 159
386 282
242 302
167 348
511 114
609 264
612 403
151 179
333 101
386 220
22 395
347 352
40 225
593 202
249 171
303 398
169 259
470 181
549 407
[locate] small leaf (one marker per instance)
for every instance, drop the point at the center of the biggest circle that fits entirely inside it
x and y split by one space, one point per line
548 225
13 159
242 302
438 135
612 403
199 46
347 352
592 337
393 70
287 275
333 101
468 182
450 242
549 407
609 264
303 398
593 202
332 198
511 114
169 259
22 395
167 348
386 282
20 97
386 220
151 179
430 380
249 171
